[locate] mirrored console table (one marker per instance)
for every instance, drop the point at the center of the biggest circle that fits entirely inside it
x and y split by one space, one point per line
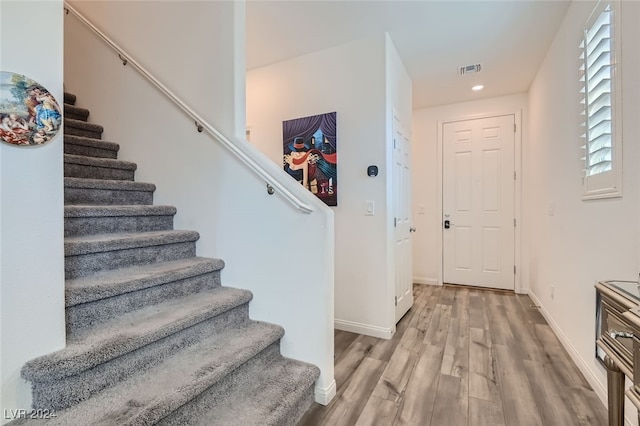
617 344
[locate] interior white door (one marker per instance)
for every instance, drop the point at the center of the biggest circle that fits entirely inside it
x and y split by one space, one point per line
402 220
478 192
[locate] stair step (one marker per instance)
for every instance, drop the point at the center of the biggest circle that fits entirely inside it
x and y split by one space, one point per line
105 295
88 254
89 147
82 128
107 192
90 220
111 352
80 166
274 394
76 113
145 398
69 98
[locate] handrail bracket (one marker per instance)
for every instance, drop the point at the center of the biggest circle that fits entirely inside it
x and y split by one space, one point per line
270 189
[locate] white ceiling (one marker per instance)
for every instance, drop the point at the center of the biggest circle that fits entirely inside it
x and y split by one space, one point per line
434 38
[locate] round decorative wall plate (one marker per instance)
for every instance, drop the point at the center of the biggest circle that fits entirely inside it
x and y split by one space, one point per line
29 114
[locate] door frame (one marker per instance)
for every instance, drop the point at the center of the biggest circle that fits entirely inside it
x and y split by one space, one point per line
519 285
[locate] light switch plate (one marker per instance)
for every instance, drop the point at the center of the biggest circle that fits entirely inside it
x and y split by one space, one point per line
369 208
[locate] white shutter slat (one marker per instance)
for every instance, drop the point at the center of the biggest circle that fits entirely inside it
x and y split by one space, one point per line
600 129
602 141
602 101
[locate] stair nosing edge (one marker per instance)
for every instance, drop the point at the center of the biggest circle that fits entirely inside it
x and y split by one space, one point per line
76 295
105 163
108 184
136 210
91 244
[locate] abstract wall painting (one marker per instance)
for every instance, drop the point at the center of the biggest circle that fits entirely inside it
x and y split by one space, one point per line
310 154
29 114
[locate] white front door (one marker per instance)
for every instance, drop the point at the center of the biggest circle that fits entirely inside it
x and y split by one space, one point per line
478 192
402 220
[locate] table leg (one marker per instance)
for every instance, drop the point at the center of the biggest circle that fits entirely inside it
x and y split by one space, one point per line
615 392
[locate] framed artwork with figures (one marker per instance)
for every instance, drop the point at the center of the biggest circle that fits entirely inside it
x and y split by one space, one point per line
310 154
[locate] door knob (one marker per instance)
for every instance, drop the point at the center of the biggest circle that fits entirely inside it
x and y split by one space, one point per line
412 229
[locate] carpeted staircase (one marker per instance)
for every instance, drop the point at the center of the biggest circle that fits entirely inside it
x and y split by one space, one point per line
152 336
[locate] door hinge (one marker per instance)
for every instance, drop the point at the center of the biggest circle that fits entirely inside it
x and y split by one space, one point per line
395 222
514 127
396 300
514 175
514 269
394 143
514 221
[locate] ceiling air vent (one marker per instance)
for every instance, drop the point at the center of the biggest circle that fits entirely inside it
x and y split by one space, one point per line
469 69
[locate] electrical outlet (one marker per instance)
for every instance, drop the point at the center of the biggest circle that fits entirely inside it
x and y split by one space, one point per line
553 291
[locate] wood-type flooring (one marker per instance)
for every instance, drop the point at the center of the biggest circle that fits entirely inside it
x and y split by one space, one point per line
460 356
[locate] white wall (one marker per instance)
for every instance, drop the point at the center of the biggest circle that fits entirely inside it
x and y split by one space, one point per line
257 235
31 207
399 85
427 216
199 64
351 80
583 241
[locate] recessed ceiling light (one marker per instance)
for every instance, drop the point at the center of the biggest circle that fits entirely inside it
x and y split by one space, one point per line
477 87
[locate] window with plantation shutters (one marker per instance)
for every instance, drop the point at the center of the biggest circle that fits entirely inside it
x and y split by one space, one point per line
599 54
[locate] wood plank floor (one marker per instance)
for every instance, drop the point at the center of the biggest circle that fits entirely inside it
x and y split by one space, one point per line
460 356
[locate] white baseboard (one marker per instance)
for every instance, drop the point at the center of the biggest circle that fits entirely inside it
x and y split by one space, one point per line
369 330
424 280
325 395
599 388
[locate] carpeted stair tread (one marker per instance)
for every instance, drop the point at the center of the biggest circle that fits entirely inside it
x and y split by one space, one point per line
101 243
72 111
70 123
93 346
91 253
86 220
82 166
119 281
117 210
83 191
144 399
121 185
99 162
264 399
69 98
80 145
98 143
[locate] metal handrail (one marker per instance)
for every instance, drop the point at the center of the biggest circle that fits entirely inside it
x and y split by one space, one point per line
201 124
